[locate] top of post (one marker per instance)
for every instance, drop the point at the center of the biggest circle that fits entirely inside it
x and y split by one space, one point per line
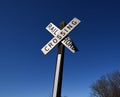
62 25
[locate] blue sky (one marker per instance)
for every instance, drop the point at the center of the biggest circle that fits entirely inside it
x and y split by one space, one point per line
26 72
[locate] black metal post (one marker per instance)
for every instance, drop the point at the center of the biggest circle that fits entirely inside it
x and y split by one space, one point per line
59 68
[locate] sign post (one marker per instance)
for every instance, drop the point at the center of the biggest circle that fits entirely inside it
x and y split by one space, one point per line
60 38
59 68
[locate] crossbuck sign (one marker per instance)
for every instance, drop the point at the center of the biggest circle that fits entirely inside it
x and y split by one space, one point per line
59 35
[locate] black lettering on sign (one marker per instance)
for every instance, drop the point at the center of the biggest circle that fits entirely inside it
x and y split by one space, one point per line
73 48
50 45
55 40
69 27
68 42
46 48
49 26
66 30
52 29
74 22
59 37
66 39
62 33
55 31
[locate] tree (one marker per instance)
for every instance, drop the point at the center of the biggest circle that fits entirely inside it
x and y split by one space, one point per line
107 86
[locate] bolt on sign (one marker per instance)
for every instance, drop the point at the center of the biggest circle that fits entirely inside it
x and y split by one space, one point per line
59 36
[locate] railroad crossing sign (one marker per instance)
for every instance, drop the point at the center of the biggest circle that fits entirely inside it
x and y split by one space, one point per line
66 42
59 35
60 39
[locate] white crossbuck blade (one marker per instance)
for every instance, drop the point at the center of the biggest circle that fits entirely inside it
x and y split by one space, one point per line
67 41
60 35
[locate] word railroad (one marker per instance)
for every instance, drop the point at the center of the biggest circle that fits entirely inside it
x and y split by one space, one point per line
60 35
